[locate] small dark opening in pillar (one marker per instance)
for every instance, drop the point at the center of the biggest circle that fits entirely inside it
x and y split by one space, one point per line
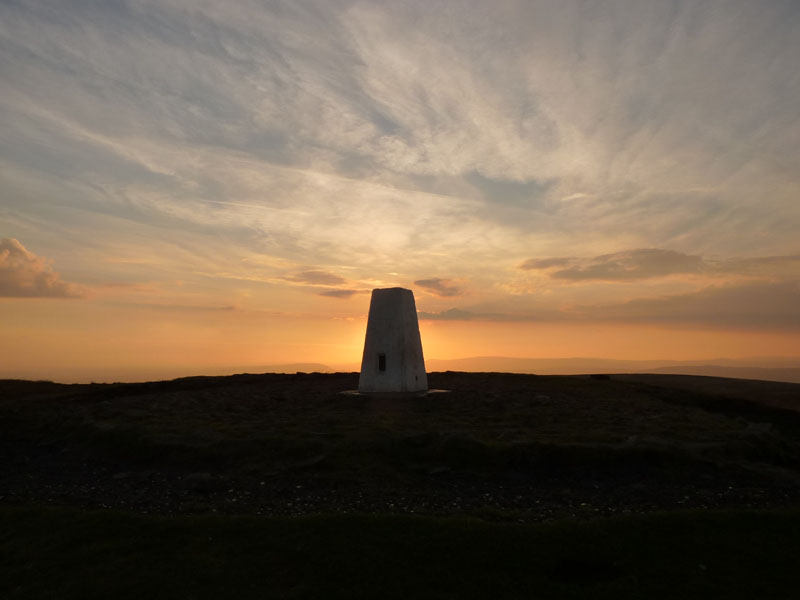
381 362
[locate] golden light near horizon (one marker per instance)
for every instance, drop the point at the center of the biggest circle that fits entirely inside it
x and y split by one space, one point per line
189 190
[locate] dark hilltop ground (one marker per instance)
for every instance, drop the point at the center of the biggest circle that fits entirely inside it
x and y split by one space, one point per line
510 486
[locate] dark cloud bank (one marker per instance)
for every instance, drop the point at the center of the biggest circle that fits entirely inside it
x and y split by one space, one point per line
338 293
440 287
757 305
647 263
770 305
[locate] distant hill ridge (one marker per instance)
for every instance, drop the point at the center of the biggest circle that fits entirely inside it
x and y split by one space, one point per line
769 369
759 368
791 375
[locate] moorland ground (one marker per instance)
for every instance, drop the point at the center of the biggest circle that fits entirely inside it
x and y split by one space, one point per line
493 464
499 446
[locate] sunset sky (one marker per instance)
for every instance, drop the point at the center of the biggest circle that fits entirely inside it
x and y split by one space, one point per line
191 185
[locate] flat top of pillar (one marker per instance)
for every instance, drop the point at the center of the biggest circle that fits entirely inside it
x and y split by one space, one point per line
391 290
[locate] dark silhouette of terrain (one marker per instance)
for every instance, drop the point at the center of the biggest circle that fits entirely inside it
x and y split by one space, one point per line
498 446
507 486
788 374
762 368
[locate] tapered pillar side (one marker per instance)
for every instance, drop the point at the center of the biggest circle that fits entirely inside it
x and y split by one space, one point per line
392 359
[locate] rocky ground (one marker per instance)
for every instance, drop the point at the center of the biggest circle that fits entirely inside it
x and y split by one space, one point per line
497 446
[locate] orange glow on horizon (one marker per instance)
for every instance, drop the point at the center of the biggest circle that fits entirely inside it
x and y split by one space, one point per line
462 339
116 342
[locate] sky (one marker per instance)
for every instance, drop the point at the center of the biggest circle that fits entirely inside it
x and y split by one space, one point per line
194 185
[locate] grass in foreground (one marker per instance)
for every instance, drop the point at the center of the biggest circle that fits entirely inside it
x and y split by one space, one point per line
72 554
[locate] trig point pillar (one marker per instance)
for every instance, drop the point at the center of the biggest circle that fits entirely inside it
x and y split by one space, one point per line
392 360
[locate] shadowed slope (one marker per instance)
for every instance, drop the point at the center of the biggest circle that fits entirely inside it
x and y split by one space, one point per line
509 447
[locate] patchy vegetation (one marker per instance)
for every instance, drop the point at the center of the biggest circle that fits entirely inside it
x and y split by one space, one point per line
513 474
514 447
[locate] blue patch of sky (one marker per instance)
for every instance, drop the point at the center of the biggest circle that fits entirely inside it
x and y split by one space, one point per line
526 194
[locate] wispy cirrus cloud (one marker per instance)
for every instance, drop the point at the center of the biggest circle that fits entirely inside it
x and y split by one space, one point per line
317 278
642 148
280 124
764 266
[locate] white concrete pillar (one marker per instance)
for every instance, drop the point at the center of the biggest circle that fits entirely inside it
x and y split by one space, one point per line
392 360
